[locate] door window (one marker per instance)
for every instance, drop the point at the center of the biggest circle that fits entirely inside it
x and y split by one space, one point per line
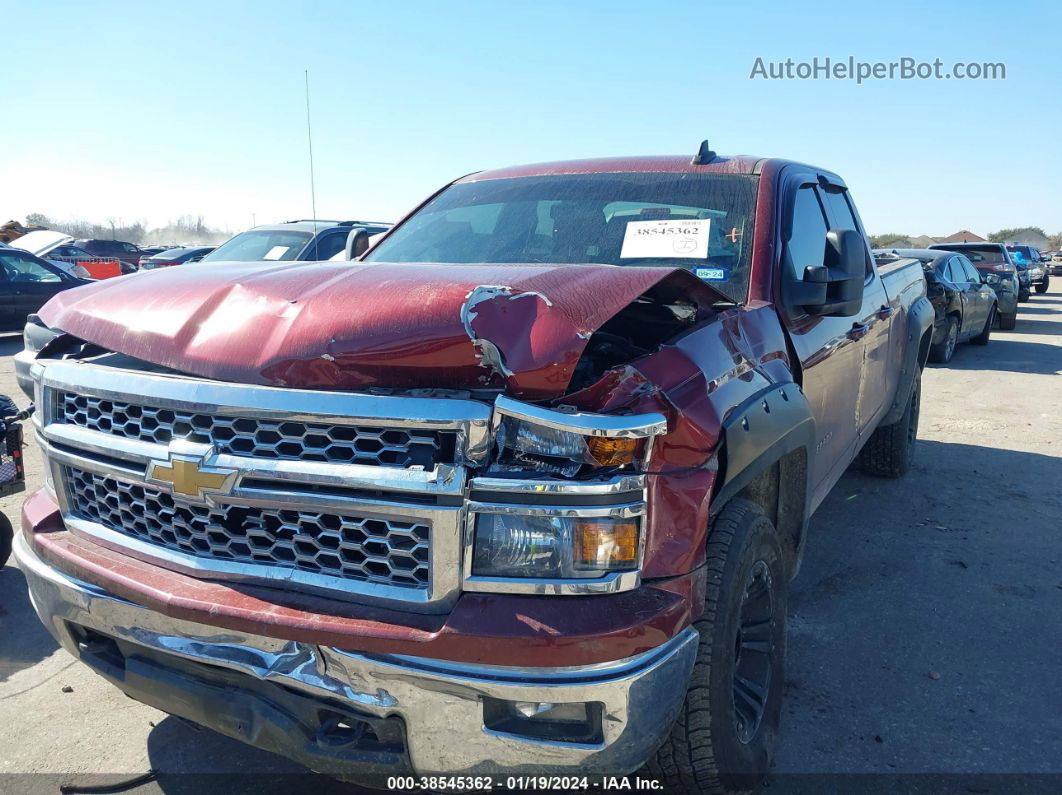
972 276
956 275
22 269
807 245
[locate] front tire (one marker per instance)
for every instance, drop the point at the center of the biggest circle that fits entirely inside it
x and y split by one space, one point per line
889 452
942 352
727 730
1042 287
1008 322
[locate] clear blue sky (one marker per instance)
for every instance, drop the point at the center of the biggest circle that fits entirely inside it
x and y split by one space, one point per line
155 110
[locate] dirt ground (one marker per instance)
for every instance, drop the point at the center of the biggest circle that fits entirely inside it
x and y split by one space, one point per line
925 627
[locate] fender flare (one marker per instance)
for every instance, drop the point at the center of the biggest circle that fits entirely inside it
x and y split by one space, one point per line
920 319
767 426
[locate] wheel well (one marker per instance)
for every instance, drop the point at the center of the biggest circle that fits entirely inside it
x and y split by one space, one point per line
781 493
923 348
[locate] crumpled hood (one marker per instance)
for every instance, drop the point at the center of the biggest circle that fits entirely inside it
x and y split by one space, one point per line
357 326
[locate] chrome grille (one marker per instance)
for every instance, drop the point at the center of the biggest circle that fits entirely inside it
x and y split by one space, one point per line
261 438
351 547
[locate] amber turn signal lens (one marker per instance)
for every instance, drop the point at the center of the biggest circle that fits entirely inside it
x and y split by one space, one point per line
606 544
609 452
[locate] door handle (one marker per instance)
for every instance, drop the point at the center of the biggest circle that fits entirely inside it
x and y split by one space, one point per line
885 312
858 331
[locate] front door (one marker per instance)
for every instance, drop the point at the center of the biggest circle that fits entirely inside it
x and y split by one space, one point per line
829 349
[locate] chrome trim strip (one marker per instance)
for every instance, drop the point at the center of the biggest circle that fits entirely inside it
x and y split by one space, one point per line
632 426
613 582
509 673
627 510
521 487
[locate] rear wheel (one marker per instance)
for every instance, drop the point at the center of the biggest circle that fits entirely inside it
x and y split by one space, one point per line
982 338
727 731
942 352
889 452
1008 322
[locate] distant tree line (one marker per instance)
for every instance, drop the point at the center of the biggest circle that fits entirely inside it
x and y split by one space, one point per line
1054 242
186 229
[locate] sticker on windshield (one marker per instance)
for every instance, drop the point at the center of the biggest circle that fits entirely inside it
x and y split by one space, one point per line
675 238
712 274
276 252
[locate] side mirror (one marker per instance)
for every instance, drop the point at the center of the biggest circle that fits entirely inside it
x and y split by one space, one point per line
357 244
834 289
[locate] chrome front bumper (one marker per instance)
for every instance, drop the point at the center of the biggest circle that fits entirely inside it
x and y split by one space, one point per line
441 705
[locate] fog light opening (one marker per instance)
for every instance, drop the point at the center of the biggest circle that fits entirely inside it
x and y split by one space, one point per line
576 722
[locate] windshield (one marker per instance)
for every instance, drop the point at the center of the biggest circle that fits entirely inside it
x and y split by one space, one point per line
700 222
259 245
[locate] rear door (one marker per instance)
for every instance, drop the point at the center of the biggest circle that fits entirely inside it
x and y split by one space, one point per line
831 358
980 293
873 321
956 276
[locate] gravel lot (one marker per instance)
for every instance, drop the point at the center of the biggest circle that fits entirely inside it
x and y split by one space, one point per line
925 627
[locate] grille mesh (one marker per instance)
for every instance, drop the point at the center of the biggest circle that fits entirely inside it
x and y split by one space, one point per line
287 440
354 548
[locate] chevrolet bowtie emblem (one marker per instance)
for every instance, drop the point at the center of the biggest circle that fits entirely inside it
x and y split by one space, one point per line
187 474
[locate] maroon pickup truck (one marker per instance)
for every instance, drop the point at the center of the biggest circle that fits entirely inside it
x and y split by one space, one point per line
517 493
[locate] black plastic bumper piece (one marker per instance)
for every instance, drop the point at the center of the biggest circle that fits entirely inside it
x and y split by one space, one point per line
325 736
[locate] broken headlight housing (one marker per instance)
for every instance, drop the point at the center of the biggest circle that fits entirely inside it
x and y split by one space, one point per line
529 438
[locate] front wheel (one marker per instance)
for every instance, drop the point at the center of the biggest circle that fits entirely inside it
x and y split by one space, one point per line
727 730
1008 322
1042 287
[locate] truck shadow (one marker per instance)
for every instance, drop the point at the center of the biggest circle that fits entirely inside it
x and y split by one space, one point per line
24 641
1013 356
192 760
917 597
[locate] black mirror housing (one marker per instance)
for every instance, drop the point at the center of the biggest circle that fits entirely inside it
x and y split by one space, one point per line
835 288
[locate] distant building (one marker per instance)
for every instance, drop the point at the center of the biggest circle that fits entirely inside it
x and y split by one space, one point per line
962 236
924 241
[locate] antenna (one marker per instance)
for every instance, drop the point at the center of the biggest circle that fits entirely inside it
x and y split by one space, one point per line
309 141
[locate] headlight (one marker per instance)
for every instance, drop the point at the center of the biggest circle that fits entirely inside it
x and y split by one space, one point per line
530 438
993 279
553 547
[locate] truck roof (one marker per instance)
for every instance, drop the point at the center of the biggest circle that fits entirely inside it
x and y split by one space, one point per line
728 164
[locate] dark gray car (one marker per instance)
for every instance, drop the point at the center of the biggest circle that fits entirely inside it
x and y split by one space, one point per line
175 256
294 241
993 261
